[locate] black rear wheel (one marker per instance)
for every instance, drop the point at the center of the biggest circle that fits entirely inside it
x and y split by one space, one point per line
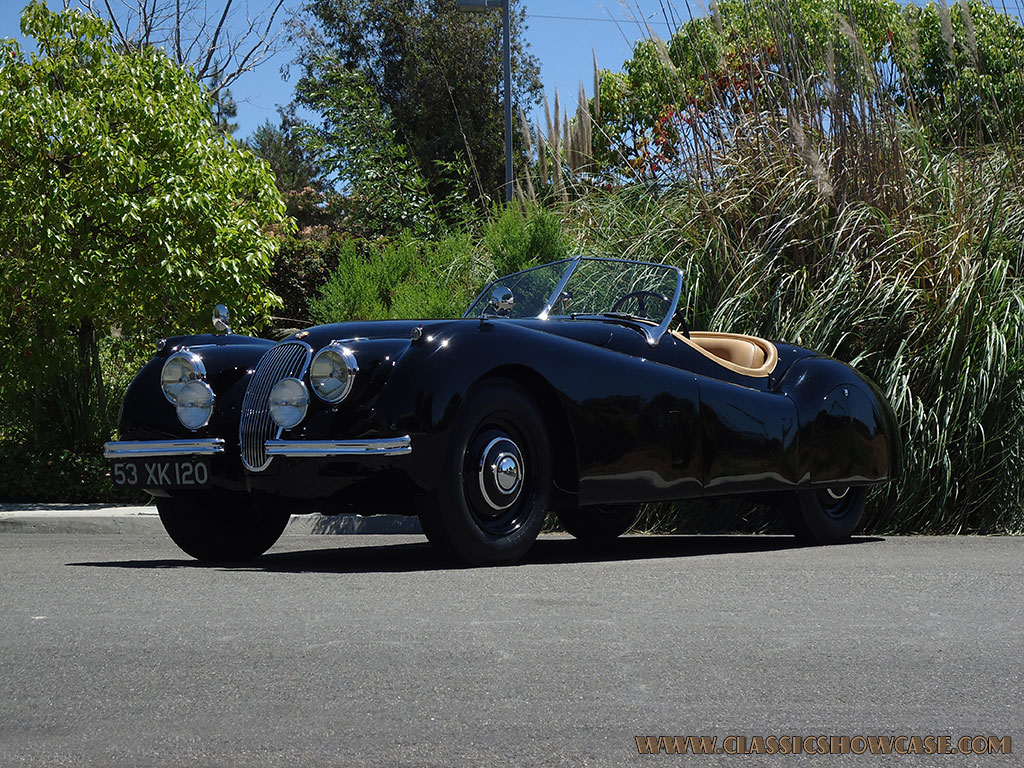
826 515
221 528
598 523
491 499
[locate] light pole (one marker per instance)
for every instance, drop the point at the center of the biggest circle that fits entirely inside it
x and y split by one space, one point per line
506 17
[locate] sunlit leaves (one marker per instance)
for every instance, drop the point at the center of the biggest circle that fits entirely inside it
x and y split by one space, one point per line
114 180
120 207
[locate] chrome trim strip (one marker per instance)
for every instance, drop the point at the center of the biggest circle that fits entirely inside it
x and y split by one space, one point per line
388 446
557 293
130 449
654 338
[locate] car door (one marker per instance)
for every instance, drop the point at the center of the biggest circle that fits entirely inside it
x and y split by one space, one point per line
748 436
637 425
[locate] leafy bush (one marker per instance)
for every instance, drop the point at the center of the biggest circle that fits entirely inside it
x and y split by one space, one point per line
517 238
43 405
409 278
416 278
962 71
301 267
59 475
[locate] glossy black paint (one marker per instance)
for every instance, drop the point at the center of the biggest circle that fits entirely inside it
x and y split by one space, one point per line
629 422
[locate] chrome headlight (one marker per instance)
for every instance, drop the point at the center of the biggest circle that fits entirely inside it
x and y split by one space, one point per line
181 368
289 400
195 404
333 372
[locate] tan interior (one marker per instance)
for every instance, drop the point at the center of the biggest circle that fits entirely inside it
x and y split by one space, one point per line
748 355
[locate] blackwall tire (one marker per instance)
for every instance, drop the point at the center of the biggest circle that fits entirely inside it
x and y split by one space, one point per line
826 515
598 524
221 528
492 497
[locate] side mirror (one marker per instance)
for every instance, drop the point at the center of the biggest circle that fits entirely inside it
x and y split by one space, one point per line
502 300
221 319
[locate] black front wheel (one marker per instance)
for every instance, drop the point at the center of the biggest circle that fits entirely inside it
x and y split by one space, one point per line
491 499
826 515
221 528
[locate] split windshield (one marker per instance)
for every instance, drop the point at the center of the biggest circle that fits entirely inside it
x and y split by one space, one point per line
588 287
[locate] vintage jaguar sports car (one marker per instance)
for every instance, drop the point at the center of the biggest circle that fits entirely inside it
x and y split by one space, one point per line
561 388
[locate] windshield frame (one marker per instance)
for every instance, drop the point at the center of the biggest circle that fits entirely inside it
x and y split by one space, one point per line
652 333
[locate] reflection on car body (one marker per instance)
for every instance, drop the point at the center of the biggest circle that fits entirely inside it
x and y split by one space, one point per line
562 387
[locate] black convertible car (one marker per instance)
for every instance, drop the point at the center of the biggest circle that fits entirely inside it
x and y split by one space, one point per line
561 388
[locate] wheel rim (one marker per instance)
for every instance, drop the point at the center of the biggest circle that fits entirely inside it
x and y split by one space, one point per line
835 501
500 473
496 477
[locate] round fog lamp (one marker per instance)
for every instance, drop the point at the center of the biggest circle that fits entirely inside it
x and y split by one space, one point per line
289 400
332 373
195 404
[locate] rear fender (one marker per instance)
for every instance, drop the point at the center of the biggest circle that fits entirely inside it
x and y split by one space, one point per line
847 432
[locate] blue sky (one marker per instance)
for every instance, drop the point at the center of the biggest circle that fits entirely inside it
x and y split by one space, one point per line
562 34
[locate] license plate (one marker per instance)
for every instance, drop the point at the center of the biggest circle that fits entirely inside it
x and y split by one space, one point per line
161 473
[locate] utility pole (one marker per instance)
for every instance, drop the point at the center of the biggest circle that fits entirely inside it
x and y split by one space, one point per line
506 24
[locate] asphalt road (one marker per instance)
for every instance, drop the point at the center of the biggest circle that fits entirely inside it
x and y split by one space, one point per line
115 650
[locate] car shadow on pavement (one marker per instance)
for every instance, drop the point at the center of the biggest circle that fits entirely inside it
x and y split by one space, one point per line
407 557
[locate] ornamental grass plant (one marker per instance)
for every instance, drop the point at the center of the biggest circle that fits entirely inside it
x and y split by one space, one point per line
845 177
928 303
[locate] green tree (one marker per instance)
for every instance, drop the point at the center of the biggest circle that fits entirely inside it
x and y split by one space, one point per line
436 71
294 165
299 173
122 214
223 109
964 73
955 70
385 191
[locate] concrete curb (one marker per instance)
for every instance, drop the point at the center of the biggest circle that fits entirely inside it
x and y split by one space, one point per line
100 518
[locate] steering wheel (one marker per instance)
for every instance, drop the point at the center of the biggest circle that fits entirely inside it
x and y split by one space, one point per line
640 295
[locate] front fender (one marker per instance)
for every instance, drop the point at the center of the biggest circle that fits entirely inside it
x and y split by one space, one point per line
609 411
147 415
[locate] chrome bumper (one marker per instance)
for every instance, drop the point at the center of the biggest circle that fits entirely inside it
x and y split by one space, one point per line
134 449
388 446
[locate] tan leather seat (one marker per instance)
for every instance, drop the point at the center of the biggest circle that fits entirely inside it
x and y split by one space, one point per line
748 355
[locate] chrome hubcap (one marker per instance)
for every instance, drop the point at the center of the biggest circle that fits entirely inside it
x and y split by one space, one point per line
506 473
838 493
501 473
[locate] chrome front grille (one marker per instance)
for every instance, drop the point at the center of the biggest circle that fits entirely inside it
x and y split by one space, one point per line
256 427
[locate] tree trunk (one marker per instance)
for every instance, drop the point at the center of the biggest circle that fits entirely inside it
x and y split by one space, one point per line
89 382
